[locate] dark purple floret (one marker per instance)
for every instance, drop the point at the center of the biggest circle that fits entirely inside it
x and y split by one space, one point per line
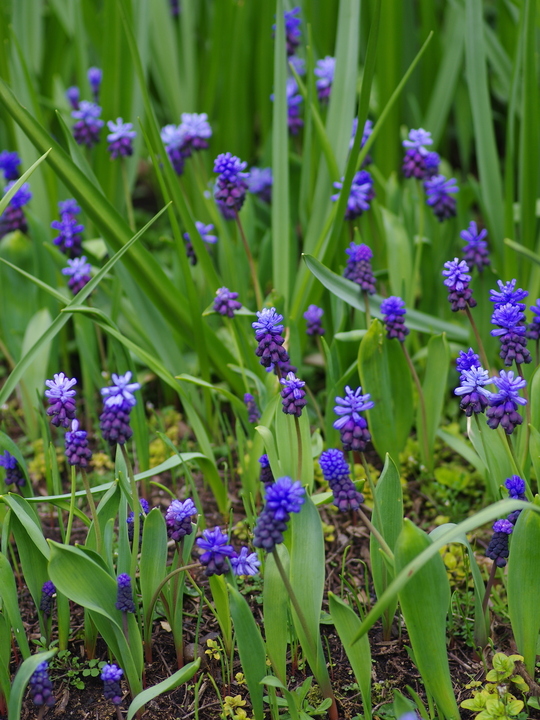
88 126
351 425
254 413
9 162
293 395
226 303
120 138
266 476
414 162
283 367
216 551
393 310
503 404
432 161
457 281
61 398
231 186
474 396
439 193
69 207
79 273
260 183
508 295
175 143
111 675
196 131
124 595
313 317
117 404
497 549
358 268
95 76
361 194
268 334
324 71
336 472
77 451
41 687
73 95
13 217
130 520
14 475
205 231
292 30
475 252
467 360
533 328
178 519
516 487
245 563
69 239
175 7
511 332
282 498
48 591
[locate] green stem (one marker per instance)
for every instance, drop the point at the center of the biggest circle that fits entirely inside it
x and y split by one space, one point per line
71 504
366 306
136 507
419 247
299 445
153 601
127 194
93 510
479 342
234 332
253 272
422 401
376 534
513 454
488 587
528 415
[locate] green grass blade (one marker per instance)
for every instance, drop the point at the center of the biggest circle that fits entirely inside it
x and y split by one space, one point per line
4 202
10 604
275 612
178 678
434 387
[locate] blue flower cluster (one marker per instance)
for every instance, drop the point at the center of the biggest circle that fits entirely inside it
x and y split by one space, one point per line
284 497
351 424
508 315
192 134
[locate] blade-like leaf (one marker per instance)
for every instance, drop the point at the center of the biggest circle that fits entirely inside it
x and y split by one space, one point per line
172 682
22 678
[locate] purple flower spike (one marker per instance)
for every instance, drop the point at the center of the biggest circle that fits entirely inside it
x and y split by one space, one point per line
293 396
205 231
292 30
324 71
60 396
117 404
254 413
79 273
226 303
336 472
393 310
313 316
508 294
130 520
175 143
457 281
9 162
69 207
120 138
48 591
216 551
474 397
268 334
73 95
351 425
245 563
77 451
69 239
14 475
88 126
41 687
358 268
414 162
516 487
282 498
95 76
260 183
124 596
196 131
111 675
13 217
439 193
266 476
503 404
360 196
231 186
121 392
475 252
511 332
467 360
178 519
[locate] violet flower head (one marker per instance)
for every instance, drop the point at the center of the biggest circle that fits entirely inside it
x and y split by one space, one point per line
474 396
266 475
41 687
226 303
497 549
9 162
130 520
124 594
205 231
282 498
117 404
88 126
69 207
268 330
260 183
48 591
95 75
511 332
69 239
475 252
76 443
79 273
111 675
245 563
360 196
178 519
351 425
216 551
393 310
313 316
231 186
431 163
61 398
414 162
324 70
175 144
120 393
503 405
73 95
457 281
533 328
508 295
516 487
14 475
254 413
467 360
120 138
196 131
293 396
358 268
336 472
13 217
292 30
440 198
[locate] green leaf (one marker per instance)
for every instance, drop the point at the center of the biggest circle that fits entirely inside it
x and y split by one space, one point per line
5 200
492 447
179 677
10 603
398 249
220 597
152 563
21 680
275 612
434 388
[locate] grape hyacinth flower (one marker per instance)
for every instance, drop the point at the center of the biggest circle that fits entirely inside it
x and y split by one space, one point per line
282 498
69 239
231 186
475 252
292 30
313 316
60 396
174 141
9 162
117 404
360 196
511 332
266 476
88 126
516 487
358 268
77 451
414 162
474 397
14 475
336 472
178 519
196 131
226 303
41 687
508 294
324 70
533 328
48 591
457 281
130 520
351 425
467 360
393 310
268 334
216 551
79 273
260 183
245 563
73 95
124 594
254 413
69 207
439 192
13 217
95 76
120 138
111 675
205 231
503 405
293 396
497 549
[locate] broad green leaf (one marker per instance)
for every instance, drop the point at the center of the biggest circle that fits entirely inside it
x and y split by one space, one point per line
33 562
220 596
33 381
152 563
21 680
275 611
27 516
462 448
5 657
434 388
178 678
492 447
398 249
10 603
534 449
